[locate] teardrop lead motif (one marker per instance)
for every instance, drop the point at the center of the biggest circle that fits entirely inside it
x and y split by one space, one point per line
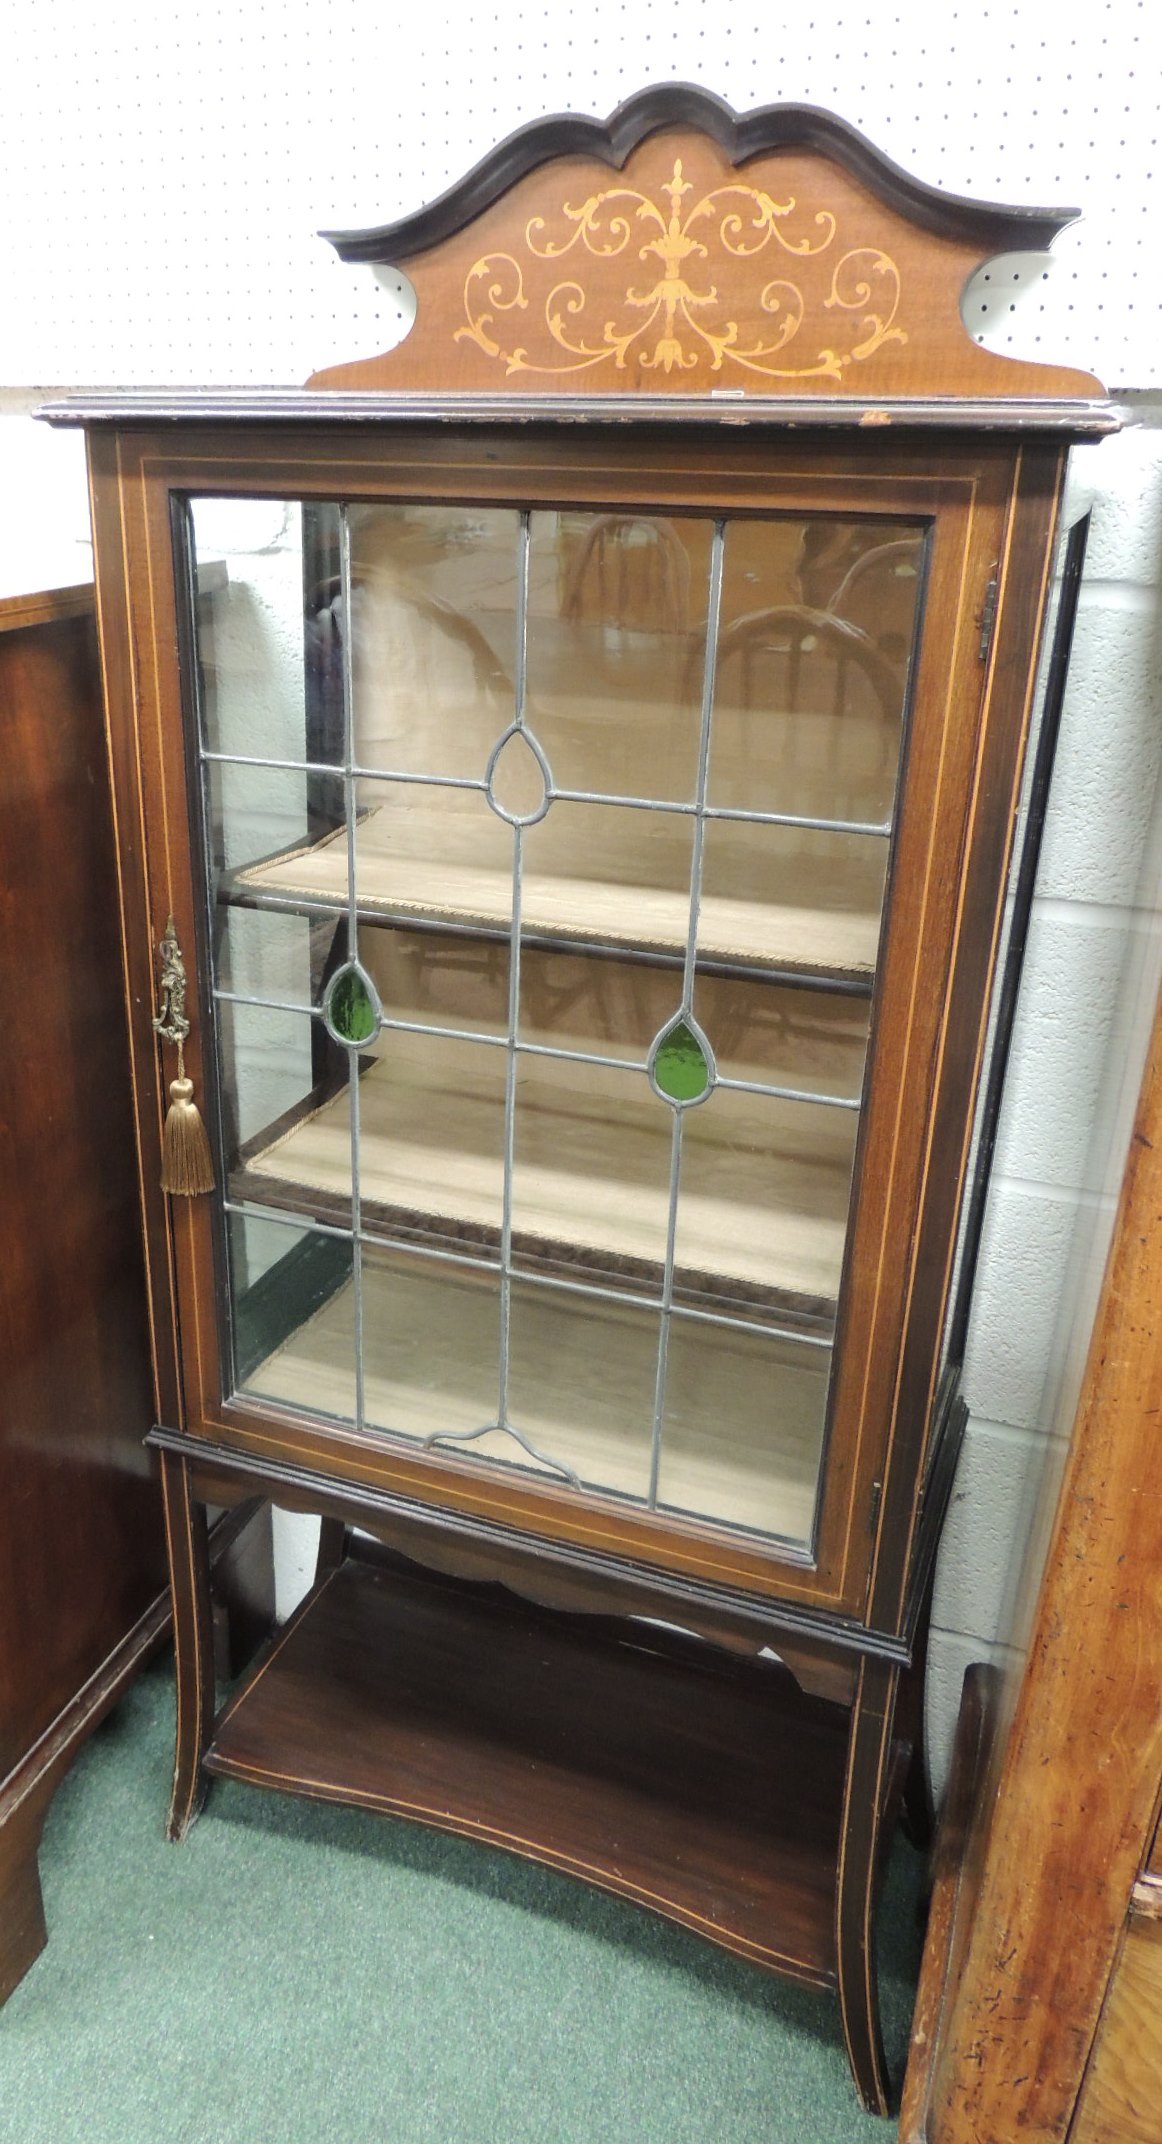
517 778
681 1063
351 1008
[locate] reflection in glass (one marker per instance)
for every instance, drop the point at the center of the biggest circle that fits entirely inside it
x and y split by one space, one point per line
248 577
785 897
431 1343
616 638
292 1321
433 612
814 642
742 1431
591 1180
762 1210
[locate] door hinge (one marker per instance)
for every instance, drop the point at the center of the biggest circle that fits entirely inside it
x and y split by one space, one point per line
873 1509
988 618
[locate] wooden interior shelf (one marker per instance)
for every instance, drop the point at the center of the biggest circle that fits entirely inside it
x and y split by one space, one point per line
764 1188
742 1431
807 903
646 1763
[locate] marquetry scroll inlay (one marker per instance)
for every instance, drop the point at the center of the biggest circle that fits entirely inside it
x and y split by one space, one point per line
838 306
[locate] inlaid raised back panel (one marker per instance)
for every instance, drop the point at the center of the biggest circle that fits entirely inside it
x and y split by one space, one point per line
685 272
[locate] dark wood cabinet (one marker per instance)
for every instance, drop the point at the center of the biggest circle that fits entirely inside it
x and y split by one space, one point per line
83 1587
584 819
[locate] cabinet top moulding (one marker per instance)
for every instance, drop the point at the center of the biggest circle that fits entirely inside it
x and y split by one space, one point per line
679 264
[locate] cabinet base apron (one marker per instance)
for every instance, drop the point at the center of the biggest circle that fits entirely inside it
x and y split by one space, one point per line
650 1763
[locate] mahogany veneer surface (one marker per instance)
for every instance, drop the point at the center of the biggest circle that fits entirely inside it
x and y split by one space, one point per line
706 1788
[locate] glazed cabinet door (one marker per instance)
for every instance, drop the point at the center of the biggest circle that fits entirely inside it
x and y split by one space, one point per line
552 1035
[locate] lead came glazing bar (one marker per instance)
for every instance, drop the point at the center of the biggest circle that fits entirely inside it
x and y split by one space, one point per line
769 1088
522 626
517 825
713 610
672 806
352 942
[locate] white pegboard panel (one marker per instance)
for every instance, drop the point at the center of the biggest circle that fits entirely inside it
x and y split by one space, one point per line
164 170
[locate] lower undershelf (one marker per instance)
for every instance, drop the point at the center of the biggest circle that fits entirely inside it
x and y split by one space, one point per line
703 1786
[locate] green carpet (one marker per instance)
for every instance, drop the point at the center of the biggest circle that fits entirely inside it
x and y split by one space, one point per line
297 1973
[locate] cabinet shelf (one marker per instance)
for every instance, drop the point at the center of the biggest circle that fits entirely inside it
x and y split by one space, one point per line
813 913
764 1186
641 1761
743 1426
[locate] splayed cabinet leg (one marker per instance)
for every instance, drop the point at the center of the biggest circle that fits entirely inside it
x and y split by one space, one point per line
867 1794
185 1520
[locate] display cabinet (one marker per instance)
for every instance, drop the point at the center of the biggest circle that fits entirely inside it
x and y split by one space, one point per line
574 843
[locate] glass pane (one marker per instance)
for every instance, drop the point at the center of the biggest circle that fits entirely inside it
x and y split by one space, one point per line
810 1040
293 1315
262 829
591 1173
608 1007
431 1345
248 570
616 650
433 609
813 649
582 1378
780 897
609 1247
266 952
286 1111
431 852
441 981
742 1431
609 875
431 1140
762 1208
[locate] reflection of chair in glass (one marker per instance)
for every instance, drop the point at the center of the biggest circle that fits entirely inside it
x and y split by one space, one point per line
784 636
878 593
832 697
632 573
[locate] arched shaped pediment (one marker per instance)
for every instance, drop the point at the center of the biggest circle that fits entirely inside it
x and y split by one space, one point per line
680 248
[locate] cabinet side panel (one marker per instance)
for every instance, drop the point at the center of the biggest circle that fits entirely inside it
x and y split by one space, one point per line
1022 575
80 1529
122 594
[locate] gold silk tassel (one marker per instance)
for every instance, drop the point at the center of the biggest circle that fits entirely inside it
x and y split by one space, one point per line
187 1167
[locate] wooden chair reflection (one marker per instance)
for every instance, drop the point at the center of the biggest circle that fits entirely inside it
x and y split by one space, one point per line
631 573
878 594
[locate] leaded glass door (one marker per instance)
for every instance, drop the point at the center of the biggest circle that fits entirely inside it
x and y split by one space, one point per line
546 863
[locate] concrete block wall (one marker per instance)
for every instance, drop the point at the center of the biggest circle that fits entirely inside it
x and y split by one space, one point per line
1091 962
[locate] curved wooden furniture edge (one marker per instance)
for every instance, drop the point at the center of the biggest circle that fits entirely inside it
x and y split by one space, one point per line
27 1791
741 135
975 1730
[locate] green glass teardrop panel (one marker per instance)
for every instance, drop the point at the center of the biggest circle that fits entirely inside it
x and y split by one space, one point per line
351 1009
680 1066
